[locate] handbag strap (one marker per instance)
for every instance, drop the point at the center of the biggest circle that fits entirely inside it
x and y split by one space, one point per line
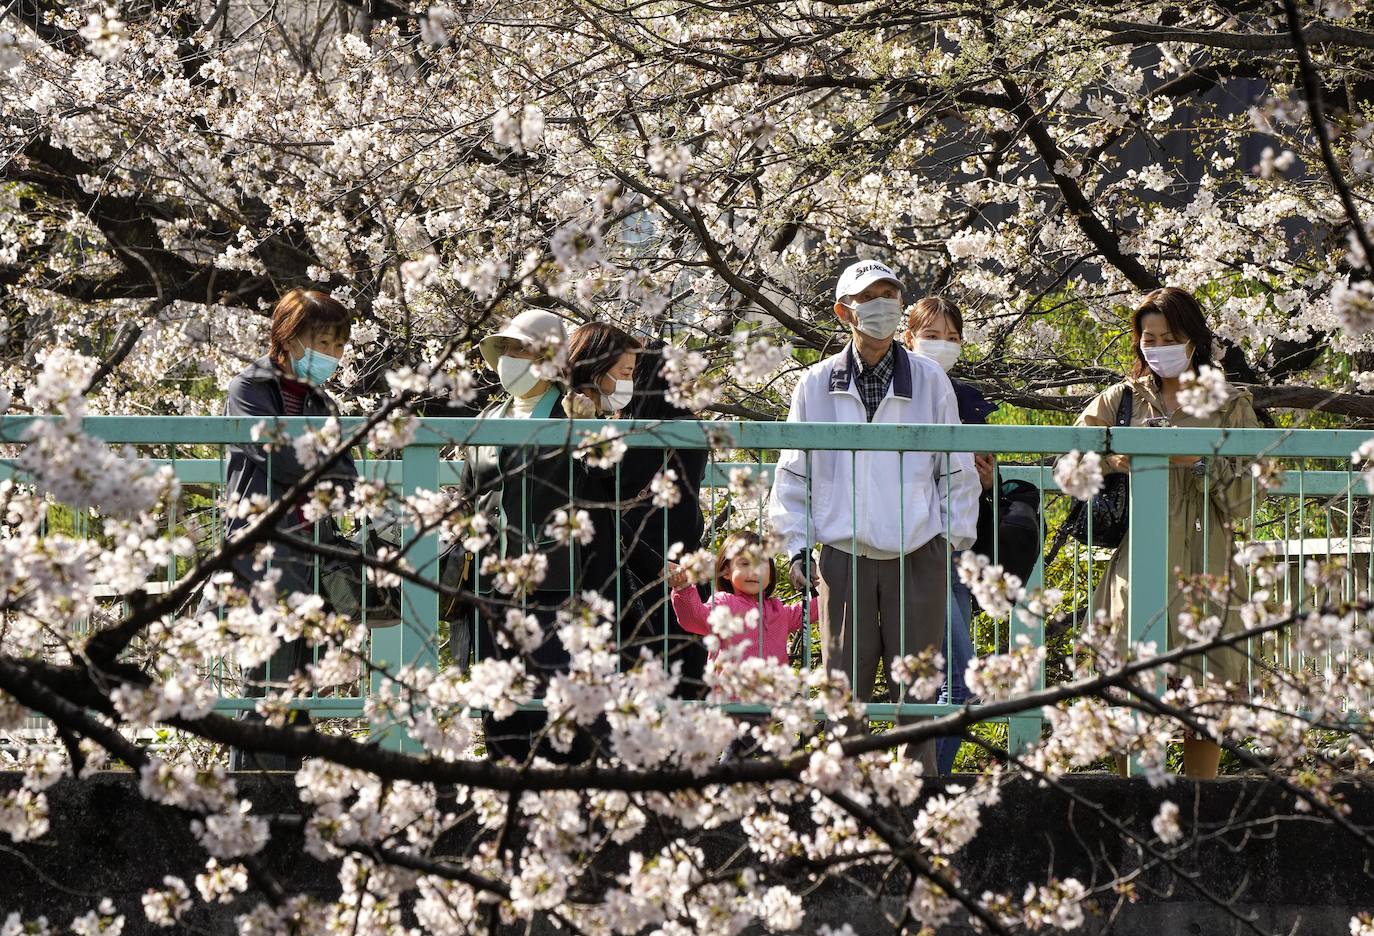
1125 409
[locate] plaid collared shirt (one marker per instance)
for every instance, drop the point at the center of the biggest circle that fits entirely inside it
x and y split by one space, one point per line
872 382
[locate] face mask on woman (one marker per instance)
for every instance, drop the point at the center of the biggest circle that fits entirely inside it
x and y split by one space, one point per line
944 353
314 367
878 318
516 375
620 397
1167 360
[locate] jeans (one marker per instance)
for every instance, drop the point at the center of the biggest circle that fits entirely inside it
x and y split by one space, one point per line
956 661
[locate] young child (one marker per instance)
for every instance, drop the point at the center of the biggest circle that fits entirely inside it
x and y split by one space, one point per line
744 582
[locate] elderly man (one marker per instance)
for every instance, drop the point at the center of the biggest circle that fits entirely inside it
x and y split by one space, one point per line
884 519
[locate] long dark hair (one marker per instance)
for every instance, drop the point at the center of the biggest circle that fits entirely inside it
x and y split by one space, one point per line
1185 319
593 350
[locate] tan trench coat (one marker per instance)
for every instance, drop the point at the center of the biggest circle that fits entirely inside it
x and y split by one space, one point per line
1189 508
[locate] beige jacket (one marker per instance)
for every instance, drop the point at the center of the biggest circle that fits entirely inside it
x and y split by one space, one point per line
1217 501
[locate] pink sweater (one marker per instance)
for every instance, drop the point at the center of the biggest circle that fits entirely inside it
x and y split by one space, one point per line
779 619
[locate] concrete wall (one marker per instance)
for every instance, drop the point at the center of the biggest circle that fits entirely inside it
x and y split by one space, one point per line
1294 874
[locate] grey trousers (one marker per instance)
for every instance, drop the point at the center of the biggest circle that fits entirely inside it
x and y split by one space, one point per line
877 609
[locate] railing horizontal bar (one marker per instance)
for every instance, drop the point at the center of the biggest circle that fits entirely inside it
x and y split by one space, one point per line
334 708
208 430
1288 443
211 430
1315 483
210 471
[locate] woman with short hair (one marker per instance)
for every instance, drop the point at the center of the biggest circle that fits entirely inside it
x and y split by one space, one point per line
306 339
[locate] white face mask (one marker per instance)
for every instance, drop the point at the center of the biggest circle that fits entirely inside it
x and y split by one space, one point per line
944 353
516 375
618 399
878 318
1167 360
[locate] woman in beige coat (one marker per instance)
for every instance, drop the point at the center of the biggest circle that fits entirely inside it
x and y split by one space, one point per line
1170 336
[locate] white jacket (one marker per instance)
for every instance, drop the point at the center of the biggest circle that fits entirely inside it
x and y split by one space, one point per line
855 496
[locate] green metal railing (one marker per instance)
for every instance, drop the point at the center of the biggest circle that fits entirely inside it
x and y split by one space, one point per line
1322 479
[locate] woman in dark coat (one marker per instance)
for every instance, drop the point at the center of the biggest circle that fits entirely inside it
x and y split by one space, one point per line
521 489
602 369
936 331
308 332
648 531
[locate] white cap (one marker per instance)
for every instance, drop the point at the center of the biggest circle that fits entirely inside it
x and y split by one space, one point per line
859 276
531 327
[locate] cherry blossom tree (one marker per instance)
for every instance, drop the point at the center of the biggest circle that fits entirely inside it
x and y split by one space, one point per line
170 168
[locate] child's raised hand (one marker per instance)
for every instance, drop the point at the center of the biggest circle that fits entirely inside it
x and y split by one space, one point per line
677 576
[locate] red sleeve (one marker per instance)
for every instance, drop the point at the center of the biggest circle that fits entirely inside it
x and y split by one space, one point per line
691 610
794 614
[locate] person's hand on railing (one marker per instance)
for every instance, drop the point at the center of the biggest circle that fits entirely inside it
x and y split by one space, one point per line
986 464
796 574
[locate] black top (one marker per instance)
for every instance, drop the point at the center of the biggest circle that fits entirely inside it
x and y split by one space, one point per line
974 408
644 526
257 392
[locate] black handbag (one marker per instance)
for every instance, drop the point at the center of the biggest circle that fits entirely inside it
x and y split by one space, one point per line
1110 507
341 586
1017 528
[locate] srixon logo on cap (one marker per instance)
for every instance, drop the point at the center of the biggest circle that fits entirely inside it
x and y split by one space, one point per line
869 268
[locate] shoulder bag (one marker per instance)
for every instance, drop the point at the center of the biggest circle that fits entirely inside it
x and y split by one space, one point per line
1110 507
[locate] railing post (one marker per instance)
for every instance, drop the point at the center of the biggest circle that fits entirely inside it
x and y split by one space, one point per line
1023 730
415 641
1148 532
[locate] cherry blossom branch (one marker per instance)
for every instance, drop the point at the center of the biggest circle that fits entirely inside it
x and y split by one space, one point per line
33 693
1127 33
1107 243
1316 112
105 645
916 862
394 765
1149 702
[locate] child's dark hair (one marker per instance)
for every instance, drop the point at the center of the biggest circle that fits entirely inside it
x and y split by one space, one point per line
300 312
733 545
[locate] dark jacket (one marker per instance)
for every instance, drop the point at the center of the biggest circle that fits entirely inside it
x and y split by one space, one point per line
1012 530
648 531
251 469
521 487
974 410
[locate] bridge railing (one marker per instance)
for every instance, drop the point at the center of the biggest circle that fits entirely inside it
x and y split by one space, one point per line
1318 510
